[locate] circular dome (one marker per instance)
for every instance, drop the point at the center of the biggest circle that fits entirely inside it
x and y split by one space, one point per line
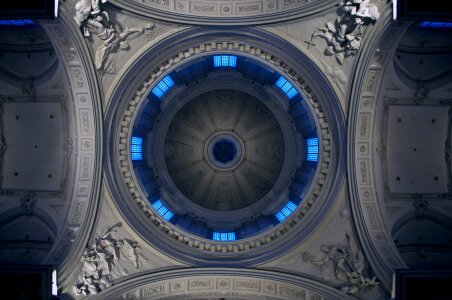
297 173
231 143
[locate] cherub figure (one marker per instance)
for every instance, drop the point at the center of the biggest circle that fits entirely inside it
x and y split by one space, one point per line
90 17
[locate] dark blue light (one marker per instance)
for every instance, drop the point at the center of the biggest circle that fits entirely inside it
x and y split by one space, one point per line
224 151
17 22
430 24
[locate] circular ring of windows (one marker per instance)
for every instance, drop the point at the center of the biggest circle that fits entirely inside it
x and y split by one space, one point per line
224 147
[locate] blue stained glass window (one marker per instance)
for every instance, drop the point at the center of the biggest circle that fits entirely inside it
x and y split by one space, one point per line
224 61
168 215
292 92
163 86
223 236
162 210
281 81
430 24
313 149
280 216
136 148
157 204
286 211
157 91
286 87
291 206
16 22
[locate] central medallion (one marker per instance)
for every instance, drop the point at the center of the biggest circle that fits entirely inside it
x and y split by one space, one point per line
224 151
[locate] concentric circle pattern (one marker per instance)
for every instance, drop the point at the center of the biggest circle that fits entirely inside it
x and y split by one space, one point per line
224 150
242 118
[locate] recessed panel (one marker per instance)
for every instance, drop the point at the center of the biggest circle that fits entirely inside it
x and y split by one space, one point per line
35 146
416 149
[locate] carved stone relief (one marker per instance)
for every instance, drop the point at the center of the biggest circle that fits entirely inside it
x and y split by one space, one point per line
92 18
107 258
344 35
344 264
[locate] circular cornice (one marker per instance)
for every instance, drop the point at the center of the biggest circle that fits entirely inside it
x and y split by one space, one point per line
227 12
302 74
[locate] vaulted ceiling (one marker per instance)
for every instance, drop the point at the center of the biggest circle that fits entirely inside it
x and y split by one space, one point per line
224 194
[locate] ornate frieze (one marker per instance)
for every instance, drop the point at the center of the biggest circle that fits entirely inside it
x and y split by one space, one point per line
226 12
215 283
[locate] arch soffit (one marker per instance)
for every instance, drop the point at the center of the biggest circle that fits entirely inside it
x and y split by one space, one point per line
232 13
217 282
84 94
375 56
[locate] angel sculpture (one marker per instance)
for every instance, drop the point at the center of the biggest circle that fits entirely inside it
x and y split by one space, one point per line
344 35
343 264
131 251
92 19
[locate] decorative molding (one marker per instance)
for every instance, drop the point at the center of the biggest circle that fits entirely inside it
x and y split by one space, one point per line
84 196
420 205
365 198
233 13
212 283
28 203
